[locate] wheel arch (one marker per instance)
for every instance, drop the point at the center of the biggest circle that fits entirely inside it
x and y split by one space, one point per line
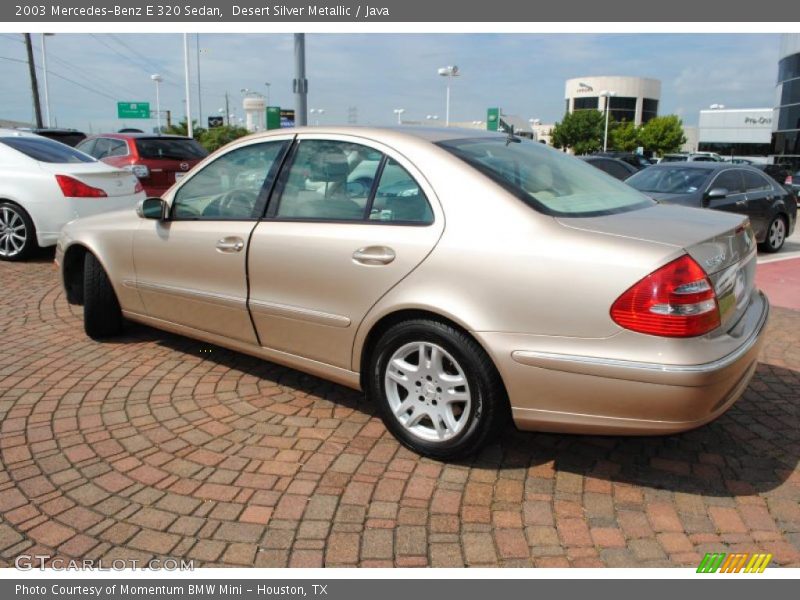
72 272
362 351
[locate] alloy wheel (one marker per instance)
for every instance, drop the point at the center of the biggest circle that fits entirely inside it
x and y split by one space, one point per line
13 233
427 391
777 233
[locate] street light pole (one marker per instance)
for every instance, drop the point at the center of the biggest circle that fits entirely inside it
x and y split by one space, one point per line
186 85
449 71
607 95
44 73
158 79
399 112
268 84
37 107
300 81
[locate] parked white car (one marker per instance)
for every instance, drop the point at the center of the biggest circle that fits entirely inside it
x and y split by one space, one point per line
45 184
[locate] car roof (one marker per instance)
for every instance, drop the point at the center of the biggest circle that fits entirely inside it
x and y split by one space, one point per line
429 134
702 165
149 136
17 133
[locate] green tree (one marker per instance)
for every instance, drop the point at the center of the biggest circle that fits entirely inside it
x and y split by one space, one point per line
623 136
216 137
663 134
181 128
582 131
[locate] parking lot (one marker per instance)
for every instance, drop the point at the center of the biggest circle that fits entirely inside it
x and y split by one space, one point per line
157 446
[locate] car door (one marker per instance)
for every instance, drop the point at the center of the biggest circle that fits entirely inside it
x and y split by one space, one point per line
191 268
346 223
735 200
760 199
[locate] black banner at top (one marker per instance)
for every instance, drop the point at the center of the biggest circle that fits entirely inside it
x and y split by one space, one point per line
377 11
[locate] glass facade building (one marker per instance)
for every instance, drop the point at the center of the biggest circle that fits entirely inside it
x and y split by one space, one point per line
786 121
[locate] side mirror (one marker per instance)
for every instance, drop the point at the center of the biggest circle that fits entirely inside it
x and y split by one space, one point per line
715 194
153 208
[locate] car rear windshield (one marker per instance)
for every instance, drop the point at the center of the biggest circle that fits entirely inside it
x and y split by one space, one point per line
548 180
669 180
46 150
170 149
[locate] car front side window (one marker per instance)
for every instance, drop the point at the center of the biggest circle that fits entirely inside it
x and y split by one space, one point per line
229 187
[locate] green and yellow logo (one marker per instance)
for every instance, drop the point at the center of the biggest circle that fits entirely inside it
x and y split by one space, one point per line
719 562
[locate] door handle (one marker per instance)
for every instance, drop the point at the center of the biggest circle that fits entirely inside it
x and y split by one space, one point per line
230 244
374 255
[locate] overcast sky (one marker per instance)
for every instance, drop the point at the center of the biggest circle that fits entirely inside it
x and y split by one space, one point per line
376 73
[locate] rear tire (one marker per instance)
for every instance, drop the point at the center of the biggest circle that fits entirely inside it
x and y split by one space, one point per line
17 233
102 316
776 234
436 389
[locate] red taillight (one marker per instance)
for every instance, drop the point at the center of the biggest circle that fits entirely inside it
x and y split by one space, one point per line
677 300
139 187
72 188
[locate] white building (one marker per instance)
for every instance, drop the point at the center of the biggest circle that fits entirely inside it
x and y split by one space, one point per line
740 132
631 98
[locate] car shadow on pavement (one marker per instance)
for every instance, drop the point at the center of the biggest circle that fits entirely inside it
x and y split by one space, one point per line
753 448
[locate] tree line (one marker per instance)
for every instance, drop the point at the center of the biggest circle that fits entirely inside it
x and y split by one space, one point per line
582 132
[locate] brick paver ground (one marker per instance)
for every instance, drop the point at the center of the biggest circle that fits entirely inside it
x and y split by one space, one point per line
148 447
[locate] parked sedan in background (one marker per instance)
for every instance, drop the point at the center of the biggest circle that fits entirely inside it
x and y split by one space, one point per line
614 167
555 295
157 160
70 137
635 160
44 184
722 186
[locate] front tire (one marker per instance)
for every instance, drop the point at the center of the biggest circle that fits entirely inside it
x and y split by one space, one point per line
436 389
776 234
17 233
102 316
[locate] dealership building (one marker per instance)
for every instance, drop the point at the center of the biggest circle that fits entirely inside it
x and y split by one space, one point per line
786 119
629 98
740 132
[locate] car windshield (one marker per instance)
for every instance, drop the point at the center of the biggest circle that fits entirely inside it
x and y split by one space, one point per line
45 150
550 181
176 149
670 180
675 158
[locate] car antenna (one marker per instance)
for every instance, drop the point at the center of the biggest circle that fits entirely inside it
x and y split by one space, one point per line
511 137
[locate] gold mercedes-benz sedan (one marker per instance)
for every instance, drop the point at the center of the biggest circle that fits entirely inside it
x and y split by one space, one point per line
457 277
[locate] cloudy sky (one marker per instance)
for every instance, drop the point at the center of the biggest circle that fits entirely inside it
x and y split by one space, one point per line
376 73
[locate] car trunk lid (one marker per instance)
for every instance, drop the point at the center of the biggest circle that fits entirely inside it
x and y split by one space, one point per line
723 244
114 182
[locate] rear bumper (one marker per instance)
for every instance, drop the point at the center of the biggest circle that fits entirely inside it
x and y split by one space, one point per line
587 394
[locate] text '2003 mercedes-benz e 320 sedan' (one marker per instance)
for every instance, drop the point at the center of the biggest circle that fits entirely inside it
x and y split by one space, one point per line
457 277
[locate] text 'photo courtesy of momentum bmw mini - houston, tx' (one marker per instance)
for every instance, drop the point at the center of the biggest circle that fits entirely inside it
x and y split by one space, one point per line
352 254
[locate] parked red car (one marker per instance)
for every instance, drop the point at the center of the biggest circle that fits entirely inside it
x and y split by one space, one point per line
157 160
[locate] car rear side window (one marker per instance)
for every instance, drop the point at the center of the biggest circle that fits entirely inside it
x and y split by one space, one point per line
730 180
399 197
754 182
548 180
45 150
230 187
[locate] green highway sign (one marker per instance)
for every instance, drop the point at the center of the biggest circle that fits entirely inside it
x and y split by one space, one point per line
133 110
273 117
492 119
